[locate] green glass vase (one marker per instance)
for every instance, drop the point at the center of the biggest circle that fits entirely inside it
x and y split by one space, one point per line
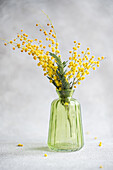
65 125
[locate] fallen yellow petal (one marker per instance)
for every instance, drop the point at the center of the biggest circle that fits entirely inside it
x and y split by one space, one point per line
20 144
45 155
101 166
100 144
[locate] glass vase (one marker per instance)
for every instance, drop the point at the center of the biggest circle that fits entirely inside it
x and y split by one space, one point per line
65 125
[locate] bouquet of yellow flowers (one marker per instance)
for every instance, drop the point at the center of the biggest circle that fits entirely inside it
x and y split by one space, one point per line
62 74
65 127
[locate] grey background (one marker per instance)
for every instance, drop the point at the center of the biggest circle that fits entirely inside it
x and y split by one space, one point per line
26 95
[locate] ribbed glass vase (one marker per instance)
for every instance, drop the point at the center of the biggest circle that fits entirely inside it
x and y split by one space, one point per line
65 126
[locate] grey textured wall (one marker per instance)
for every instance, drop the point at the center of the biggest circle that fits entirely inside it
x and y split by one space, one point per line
26 95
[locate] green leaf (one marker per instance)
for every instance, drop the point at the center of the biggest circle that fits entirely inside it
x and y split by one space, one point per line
56 57
64 72
64 63
59 62
60 71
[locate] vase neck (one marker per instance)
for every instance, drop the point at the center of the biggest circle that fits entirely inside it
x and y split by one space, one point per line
63 94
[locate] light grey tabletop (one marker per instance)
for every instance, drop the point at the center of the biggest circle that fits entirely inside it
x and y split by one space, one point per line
26 95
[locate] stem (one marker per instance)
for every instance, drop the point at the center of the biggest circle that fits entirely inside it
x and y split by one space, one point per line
50 23
69 120
43 29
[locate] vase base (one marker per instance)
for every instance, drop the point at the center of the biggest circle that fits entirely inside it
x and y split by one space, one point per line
65 147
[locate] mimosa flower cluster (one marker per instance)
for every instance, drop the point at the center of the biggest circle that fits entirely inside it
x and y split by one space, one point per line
64 75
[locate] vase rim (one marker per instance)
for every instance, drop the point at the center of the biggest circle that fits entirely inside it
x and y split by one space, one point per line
65 93
65 90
